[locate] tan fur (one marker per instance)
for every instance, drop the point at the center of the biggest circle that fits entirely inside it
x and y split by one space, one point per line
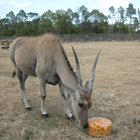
45 53
45 58
87 98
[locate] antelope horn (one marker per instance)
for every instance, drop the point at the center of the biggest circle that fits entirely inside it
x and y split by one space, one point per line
89 84
78 69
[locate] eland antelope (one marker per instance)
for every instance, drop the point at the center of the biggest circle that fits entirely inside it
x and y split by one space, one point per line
45 58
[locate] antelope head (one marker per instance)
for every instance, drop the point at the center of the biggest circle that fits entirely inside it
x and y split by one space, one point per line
82 101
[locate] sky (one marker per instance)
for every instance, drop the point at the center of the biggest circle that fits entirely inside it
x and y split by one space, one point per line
41 6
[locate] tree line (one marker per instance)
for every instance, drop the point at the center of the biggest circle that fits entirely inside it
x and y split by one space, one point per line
80 21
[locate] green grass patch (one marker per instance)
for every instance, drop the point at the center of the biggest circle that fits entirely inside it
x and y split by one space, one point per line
28 135
1 135
51 124
12 120
1 114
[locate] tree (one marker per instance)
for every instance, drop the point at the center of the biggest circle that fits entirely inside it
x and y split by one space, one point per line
5 26
124 28
98 21
21 16
130 11
138 13
11 17
1 27
47 22
122 18
94 18
136 24
69 18
121 12
69 22
84 15
76 20
112 16
32 15
61 22
12 22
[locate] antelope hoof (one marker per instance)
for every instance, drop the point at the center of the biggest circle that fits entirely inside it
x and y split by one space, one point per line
29 108
45 115
71 118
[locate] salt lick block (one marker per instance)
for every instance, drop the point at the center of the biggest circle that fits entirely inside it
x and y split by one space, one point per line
99 127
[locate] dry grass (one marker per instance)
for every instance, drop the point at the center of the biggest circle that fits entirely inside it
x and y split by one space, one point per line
116 96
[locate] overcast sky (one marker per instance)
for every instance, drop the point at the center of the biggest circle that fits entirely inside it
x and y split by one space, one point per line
40 6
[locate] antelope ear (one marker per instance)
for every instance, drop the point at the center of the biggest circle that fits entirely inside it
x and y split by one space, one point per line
70 90
88 87
74 93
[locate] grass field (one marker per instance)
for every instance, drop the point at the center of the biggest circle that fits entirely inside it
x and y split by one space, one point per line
116 96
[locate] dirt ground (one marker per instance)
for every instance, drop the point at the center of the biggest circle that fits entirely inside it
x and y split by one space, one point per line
116 96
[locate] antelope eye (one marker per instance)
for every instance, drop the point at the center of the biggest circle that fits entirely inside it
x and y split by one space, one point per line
80 104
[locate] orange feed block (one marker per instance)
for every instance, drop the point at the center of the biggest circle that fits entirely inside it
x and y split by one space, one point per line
99 127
